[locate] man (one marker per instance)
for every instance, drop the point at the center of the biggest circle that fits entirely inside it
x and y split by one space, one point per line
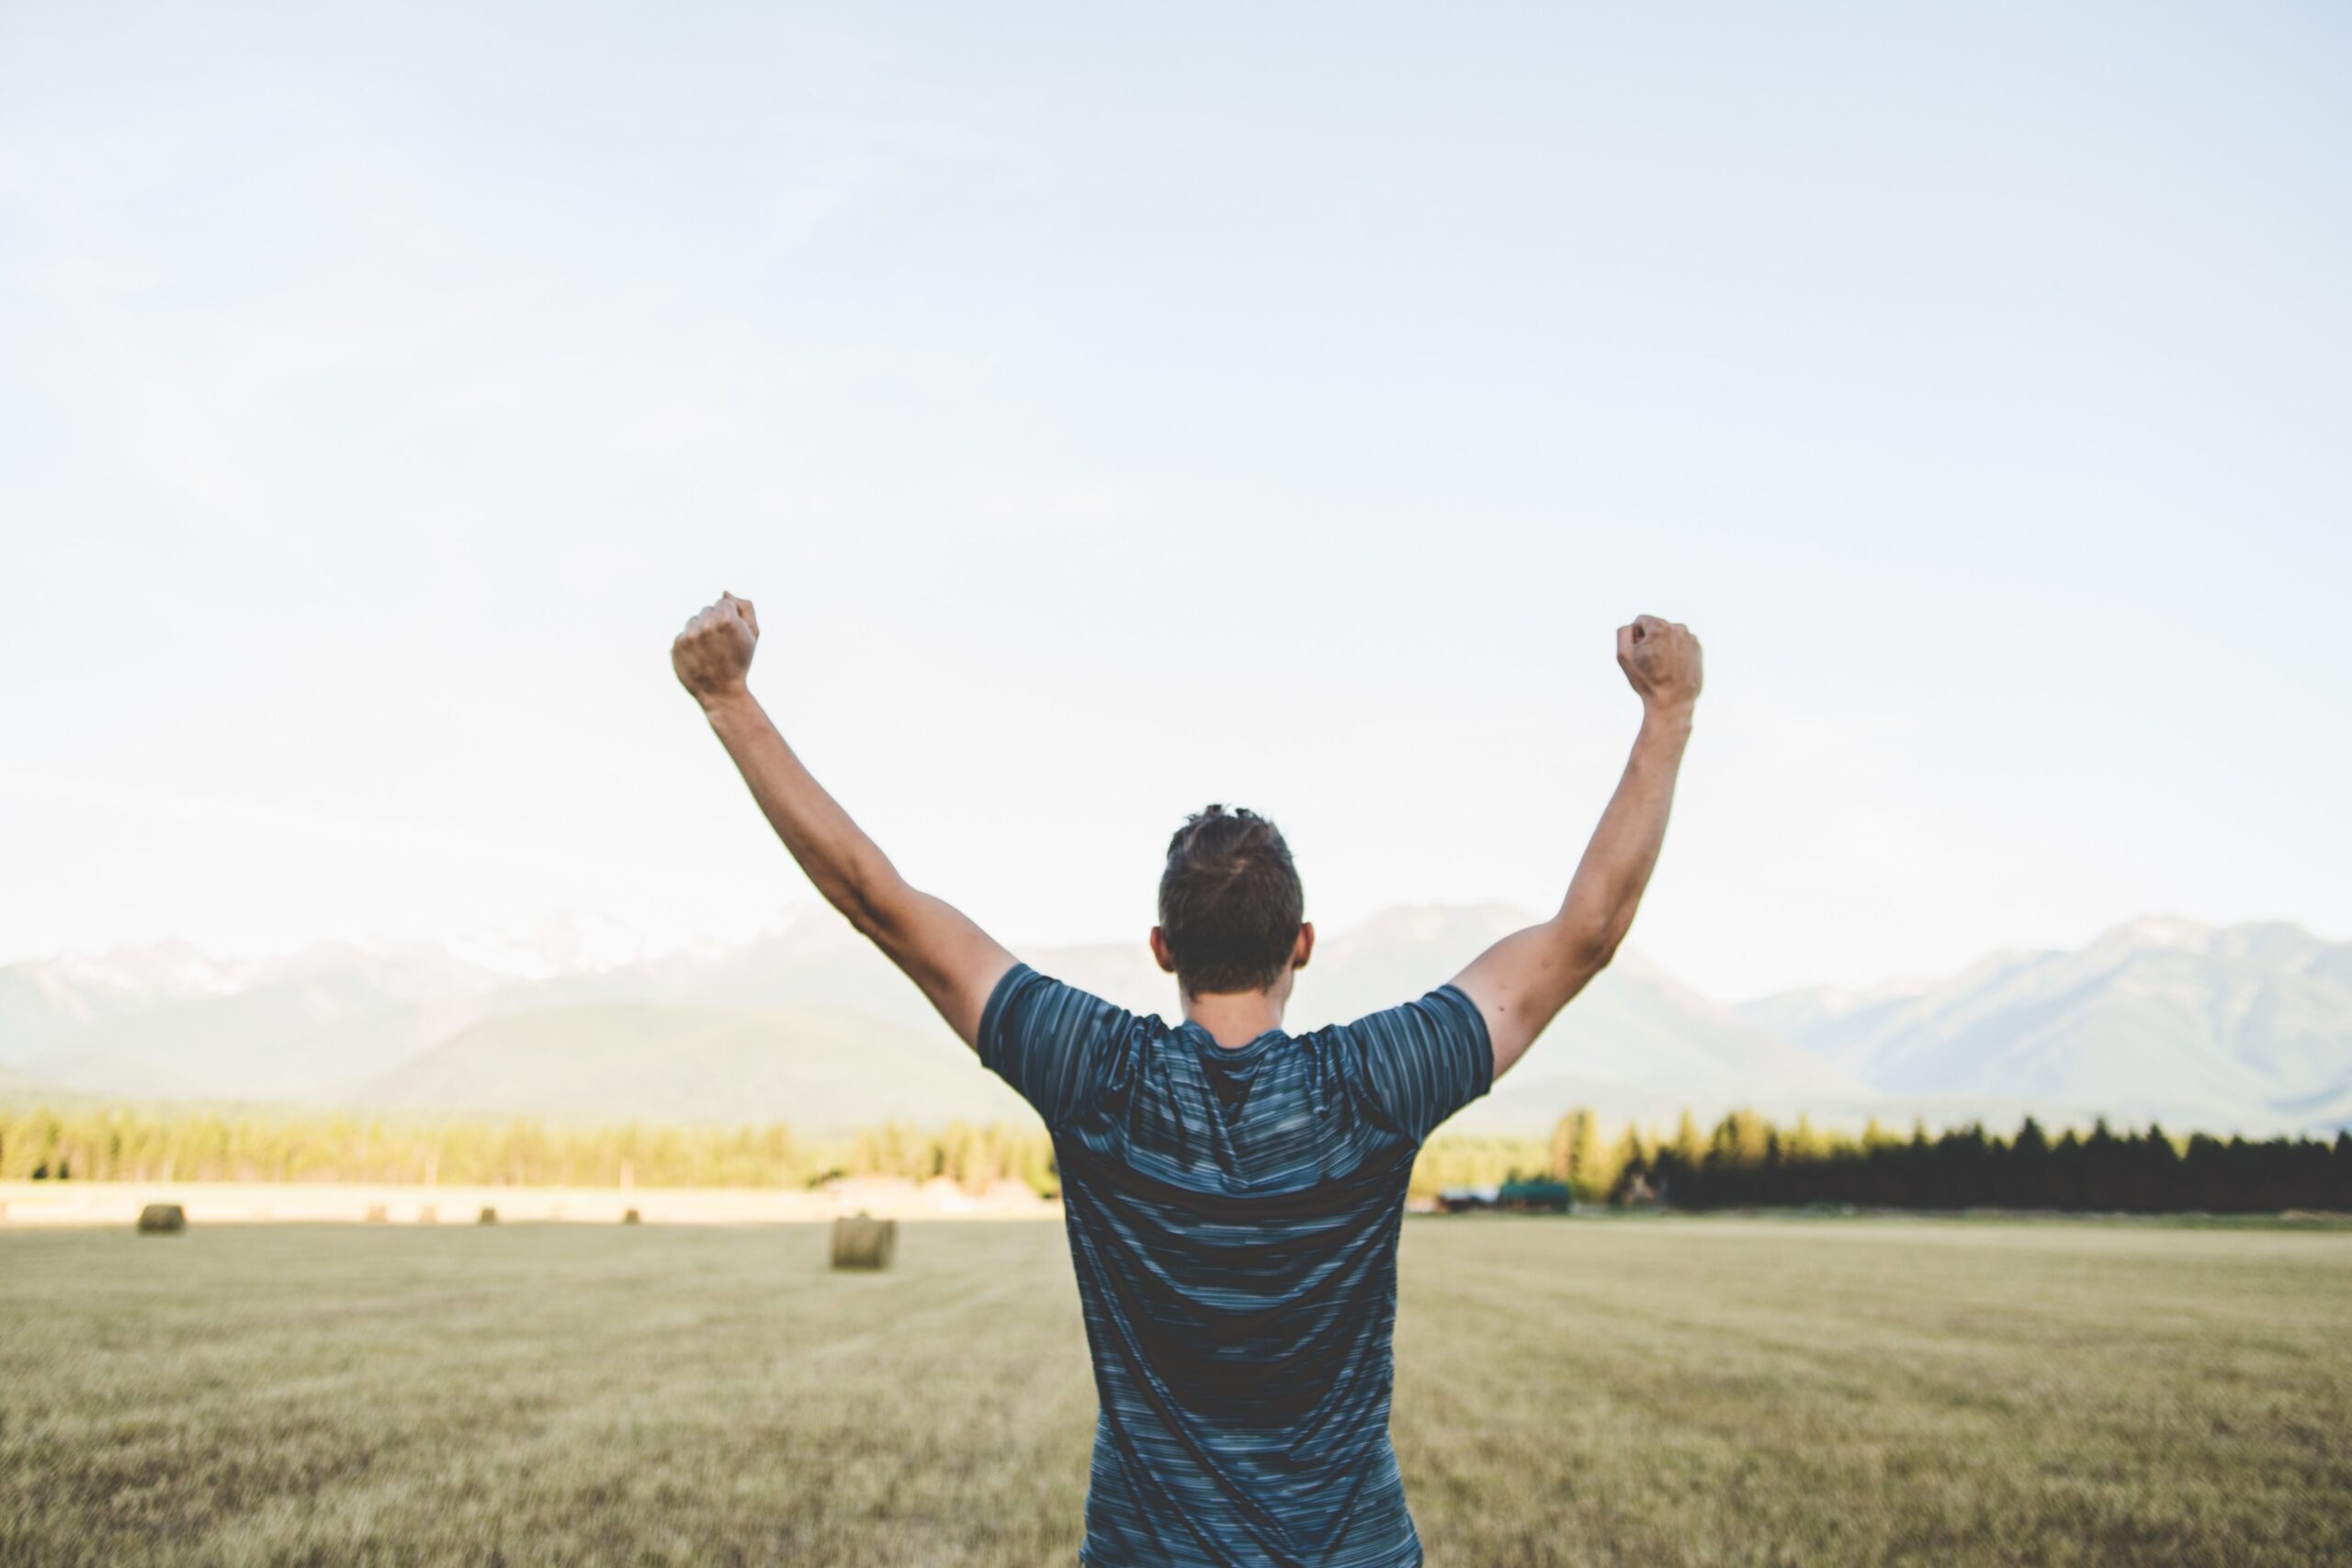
1233 1193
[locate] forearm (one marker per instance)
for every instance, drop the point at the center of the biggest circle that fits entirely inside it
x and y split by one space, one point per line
1615 871
847 867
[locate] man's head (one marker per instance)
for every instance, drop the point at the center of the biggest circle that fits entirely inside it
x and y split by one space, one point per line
1231 909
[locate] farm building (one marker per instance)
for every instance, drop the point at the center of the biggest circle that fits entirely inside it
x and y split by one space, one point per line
1546 1197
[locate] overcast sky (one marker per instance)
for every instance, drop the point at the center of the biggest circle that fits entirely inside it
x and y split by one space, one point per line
1112 415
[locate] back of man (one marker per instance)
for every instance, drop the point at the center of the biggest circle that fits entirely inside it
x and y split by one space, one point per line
1233 1191
1232 1215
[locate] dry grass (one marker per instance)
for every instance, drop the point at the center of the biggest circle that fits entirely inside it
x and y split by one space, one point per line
1677 1392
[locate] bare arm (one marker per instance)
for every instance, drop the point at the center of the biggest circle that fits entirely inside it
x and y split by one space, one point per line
955 962
1523 981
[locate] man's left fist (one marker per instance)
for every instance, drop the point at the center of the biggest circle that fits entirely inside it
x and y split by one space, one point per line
713 654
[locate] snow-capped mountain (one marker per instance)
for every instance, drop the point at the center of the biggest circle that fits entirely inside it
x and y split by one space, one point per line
2238 1026
2246 1028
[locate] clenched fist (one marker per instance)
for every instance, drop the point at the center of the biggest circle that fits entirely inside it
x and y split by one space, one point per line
713 655
1661 658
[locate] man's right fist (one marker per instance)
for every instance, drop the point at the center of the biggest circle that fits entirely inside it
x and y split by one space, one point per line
1661 658
713 655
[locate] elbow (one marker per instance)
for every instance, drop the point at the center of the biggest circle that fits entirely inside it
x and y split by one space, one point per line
1591 949
1591 925
861 920
878 902
867 914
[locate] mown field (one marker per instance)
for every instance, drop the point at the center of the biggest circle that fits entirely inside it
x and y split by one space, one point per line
1684 1390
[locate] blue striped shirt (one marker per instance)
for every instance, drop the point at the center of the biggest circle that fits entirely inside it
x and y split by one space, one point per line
1233 1219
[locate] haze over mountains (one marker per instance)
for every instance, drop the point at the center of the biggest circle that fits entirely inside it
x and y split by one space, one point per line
2246 1028
2246 1025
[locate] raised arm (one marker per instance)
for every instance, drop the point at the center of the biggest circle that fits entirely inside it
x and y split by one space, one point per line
955 962
1523 980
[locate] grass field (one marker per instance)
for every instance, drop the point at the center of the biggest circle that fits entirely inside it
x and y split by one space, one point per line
1616 1392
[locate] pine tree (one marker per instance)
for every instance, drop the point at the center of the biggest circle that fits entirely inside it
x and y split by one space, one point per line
1579 1157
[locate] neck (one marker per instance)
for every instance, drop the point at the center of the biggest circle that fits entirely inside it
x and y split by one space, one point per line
1236 1018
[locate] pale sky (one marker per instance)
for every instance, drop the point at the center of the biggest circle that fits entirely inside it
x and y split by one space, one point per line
1110 415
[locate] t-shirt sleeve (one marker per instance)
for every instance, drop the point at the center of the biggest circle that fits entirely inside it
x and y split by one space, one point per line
1416 1064
1061 1047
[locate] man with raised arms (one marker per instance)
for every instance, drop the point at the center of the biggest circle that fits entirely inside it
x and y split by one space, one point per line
1233 1191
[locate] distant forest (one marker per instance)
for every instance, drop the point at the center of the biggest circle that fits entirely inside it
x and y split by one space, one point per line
168 1146
1745 1161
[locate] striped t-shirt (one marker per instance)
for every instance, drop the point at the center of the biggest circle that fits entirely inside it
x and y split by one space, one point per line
1233 1219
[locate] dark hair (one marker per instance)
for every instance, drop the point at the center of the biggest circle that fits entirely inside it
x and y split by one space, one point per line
1231 902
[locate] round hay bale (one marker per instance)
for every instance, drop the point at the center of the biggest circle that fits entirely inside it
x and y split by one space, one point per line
489 1216
161 1219
630 1217
861 1241
427 1214
378 1214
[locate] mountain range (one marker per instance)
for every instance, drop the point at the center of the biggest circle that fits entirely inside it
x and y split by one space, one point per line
2244 1028
2247 1026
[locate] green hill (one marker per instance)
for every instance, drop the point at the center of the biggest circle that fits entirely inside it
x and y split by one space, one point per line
817 1069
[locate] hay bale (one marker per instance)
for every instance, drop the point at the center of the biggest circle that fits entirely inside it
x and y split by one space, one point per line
427 1214
161 1219
378 1214
861 1241
630 1217
489 1216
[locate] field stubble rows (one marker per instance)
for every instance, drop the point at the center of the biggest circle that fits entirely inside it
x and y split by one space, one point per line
1734 1390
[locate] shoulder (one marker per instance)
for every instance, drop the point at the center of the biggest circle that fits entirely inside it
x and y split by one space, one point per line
1031 1000
1415 1064
1447 1011
1028 1010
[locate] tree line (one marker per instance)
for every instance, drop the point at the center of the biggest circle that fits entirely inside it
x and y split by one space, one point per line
1745 1160
122 1145
1748 1160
